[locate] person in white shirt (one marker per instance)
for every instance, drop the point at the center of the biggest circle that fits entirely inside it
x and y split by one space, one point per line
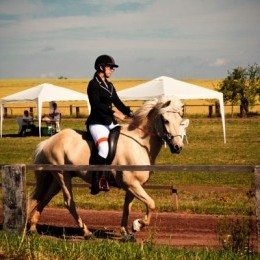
55 116
26 123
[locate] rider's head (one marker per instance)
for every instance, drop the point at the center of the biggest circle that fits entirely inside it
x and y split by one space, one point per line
105 64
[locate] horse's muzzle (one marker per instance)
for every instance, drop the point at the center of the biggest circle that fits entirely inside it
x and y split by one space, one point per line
175 148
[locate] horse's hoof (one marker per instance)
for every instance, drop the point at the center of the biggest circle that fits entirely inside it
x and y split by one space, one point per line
129 238
89 236
137 225
32 233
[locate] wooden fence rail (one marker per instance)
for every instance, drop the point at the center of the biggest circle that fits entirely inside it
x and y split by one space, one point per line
209 110
14 185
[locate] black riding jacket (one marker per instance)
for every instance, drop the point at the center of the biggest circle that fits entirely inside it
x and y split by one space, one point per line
101 97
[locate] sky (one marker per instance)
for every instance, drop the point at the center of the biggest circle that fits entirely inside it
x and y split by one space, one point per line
183 39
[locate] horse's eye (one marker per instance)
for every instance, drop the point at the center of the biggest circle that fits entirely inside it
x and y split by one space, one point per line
166 121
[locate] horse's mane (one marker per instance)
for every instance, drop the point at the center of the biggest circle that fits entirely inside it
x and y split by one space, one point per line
159 107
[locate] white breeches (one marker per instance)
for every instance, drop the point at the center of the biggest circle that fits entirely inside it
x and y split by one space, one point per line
100 134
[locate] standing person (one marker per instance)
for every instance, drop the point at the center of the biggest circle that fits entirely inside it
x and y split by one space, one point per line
102 94
55 116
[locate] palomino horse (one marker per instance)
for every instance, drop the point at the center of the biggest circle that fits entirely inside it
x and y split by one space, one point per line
155 122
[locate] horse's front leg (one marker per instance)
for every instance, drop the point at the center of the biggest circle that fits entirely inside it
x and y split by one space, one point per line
65 181
126 211
139 192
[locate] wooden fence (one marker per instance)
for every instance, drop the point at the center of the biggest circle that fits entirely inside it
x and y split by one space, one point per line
82 111
14 185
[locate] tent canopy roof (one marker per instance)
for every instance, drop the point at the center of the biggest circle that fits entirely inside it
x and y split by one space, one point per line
45 92
42 93
166 86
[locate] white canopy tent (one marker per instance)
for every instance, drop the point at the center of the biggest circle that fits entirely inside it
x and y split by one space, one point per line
166 86
42 93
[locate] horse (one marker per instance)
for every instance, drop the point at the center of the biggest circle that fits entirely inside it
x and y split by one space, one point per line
157 121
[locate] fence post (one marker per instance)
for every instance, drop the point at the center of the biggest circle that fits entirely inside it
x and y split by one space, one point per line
77 112
31 111
257 194
210 110
175 198
5 111
217 108
70 110
14 198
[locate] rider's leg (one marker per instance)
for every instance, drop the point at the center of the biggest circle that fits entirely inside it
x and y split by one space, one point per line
100 135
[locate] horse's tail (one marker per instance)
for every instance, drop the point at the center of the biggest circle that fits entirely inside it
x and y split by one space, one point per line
43 178
38 152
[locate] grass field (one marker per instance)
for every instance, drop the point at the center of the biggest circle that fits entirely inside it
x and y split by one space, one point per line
205 147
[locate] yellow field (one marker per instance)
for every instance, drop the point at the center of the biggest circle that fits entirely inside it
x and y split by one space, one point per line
11 86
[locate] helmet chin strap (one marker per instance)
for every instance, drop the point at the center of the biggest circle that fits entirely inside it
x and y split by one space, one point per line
102 72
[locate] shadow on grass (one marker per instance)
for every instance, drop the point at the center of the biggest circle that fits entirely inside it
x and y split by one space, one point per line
73 232
11 135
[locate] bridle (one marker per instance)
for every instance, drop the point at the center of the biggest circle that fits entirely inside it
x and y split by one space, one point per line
165 135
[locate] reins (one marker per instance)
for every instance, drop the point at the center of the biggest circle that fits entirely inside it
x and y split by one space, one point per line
144 130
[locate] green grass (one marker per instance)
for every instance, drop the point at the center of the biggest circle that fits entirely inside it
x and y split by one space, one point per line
13 246
205 147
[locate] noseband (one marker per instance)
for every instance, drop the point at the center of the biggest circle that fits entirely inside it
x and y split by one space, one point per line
167 137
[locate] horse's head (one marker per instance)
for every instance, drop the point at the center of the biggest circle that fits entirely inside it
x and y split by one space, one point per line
166 118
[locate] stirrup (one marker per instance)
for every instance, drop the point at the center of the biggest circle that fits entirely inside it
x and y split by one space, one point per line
103 184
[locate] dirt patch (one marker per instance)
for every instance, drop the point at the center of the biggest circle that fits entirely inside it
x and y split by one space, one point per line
184 230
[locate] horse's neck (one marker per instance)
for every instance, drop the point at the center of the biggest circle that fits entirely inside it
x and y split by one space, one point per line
148 139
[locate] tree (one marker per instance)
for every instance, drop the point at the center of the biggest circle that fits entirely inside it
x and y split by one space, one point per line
242 87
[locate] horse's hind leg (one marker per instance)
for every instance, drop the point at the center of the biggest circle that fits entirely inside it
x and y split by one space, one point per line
37 205
64 180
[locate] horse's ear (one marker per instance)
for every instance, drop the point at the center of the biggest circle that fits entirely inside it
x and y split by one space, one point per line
166 104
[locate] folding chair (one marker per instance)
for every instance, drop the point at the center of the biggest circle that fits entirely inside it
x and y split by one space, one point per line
184 124
20 125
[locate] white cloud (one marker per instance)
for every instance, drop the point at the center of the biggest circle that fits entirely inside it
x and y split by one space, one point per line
137 32
219 62
18 7
48 75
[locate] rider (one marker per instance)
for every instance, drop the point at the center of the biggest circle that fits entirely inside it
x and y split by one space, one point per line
102 94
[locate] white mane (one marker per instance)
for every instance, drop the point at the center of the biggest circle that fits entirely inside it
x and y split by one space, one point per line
160 106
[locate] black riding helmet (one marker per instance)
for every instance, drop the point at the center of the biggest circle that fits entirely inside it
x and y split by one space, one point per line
104 60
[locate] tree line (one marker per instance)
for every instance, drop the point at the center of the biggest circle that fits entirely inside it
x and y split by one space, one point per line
242 87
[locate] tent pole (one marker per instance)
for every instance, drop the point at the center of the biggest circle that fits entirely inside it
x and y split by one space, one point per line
39 111
1 124
222 112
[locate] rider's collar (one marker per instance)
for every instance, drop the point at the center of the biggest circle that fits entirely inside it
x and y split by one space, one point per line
105 85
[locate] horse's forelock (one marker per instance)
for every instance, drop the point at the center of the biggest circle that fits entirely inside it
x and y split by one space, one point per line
175 105
157 107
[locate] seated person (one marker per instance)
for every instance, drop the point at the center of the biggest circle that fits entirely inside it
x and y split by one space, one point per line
55 116
27 123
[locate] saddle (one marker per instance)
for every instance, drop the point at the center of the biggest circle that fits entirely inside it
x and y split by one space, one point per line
106 176
112 142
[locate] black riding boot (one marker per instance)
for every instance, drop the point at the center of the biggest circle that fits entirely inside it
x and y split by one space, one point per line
98 182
